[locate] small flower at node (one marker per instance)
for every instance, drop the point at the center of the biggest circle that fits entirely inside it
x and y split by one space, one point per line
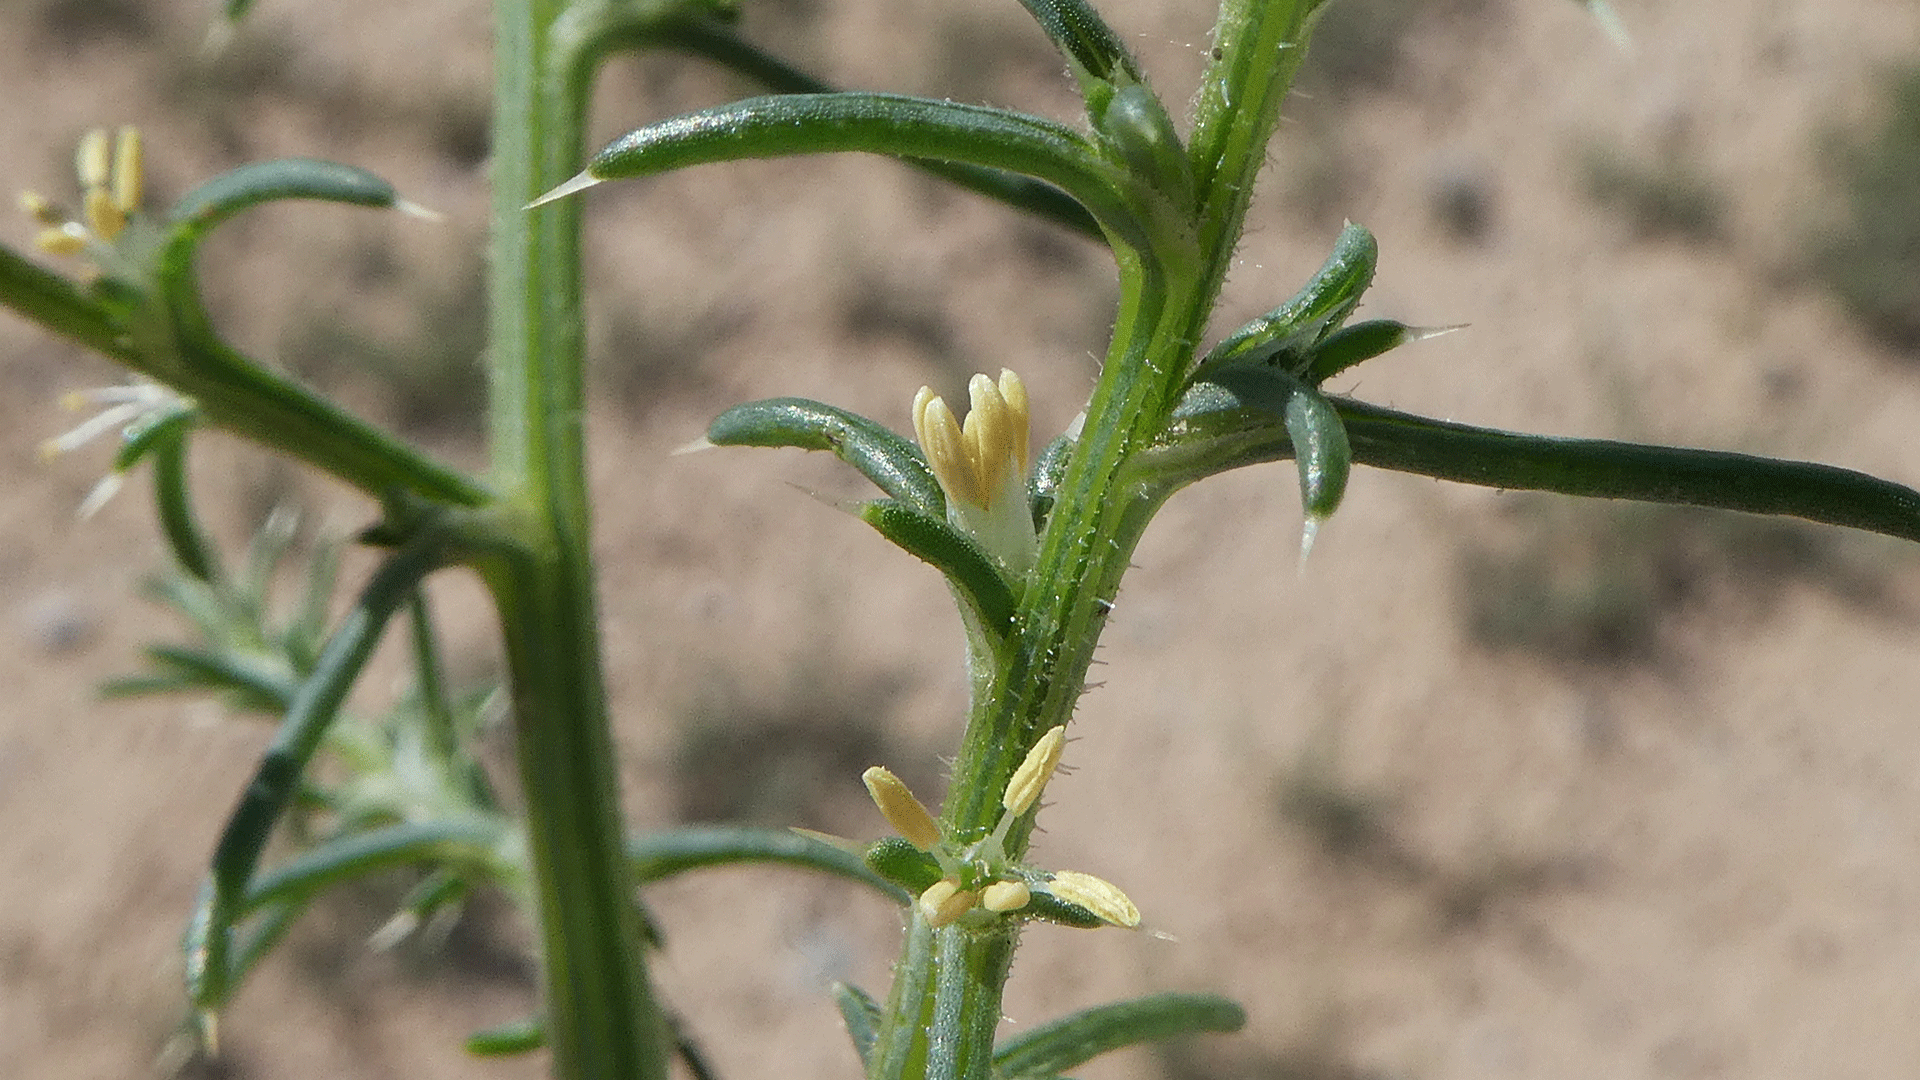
1004 896
982 465
944 901
1101 897
904 812
121 408
112 184
1030 779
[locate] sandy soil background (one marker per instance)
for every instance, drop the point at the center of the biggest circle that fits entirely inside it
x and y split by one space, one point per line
1500 787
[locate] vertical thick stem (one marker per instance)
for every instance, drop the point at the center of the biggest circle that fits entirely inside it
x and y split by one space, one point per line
602 1022
948 985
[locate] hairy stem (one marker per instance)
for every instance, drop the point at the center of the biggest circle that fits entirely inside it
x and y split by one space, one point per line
602 1020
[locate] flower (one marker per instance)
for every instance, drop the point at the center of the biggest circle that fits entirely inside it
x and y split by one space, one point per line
112 176
980 880
982 465
128 408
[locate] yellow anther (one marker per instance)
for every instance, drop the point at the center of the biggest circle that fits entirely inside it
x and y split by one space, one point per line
68 239
94 159
1099 896
1031 777
941 437
1005 896
129 170
982 465
974 460
40 208
944 901
904 812
103 214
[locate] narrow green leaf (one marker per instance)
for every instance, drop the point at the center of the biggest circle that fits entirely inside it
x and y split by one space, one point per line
862 1016
712 40
1079 1038
278 777
1351 345
260 680
891 124
1603 468
306 632
1216 430
1084 38
463 842
892 462
969 568
213 202
1321 451
192 548
1360 342
1283 335
660 855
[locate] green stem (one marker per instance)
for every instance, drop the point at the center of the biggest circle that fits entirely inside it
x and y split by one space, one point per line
947 991
236 393
602 1020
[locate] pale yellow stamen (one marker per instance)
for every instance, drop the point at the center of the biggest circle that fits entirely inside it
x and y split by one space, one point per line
944 901
904 812
974 460
68 239
40 208
941 437
129 171
93 160
1031 777
1005 896
103 214
1099 896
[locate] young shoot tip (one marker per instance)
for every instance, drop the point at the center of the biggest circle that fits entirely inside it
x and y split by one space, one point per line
579 183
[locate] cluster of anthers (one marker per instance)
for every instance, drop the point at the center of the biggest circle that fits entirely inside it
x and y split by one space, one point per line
982 875
112 182
982 465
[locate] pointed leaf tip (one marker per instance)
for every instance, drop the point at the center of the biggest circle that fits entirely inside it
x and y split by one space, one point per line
582 182
414 209
694 447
